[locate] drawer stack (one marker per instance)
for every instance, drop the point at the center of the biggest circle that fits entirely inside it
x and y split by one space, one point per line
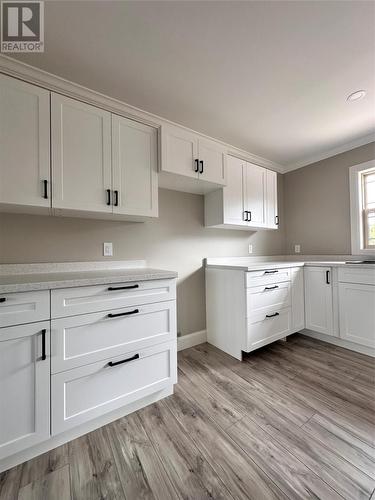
110 346
268 306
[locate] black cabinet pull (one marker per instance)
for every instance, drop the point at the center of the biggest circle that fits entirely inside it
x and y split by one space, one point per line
2 299
249 216
271 272
108 191
128 287
196 161
201 164
327 278
272 315
45 189
276 220
271 287
115 192
111 315
111 363
44 331
244 215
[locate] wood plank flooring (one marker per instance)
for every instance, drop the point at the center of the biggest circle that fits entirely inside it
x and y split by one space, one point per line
294 420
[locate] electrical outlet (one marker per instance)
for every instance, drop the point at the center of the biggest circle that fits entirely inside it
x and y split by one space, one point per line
297 248
107 249
250 248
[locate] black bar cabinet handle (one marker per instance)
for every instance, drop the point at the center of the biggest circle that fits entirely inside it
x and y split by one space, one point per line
196 161
111 315
108 191
111 363
45 189
115 192
276 220
44 331
128 287
249 218
271 287
244 216
272 315
201 170
327 278
2 299
271 272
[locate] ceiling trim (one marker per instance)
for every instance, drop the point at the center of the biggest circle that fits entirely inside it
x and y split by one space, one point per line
367 139
54 83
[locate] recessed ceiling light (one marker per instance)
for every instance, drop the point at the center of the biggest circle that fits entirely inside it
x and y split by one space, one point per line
355 96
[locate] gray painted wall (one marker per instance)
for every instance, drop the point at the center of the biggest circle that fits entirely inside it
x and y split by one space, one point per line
317 203
177 240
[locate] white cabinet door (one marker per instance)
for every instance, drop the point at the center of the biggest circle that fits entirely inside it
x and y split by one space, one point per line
24 387
81 155
357 313
272 218
298 296
211 161
233 204
255 194
179 152
319 299
24 144
134 160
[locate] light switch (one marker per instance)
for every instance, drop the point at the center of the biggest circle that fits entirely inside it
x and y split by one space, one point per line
297 248
107 249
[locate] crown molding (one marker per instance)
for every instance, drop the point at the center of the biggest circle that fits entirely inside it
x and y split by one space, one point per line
367 139
54 83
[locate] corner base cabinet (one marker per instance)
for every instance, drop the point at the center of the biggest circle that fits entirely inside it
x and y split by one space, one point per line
249 309
102 352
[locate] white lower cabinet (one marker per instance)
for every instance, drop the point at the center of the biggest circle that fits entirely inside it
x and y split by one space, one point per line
24 387
264 328
319 299
92 390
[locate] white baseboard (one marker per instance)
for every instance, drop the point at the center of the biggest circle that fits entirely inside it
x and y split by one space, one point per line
369 351
191 339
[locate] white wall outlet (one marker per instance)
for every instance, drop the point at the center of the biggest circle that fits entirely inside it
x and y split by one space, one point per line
107 249
297 248
250 248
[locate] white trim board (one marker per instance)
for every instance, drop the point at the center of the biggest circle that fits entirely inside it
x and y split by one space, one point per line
362 141
191 339
54 83
351 346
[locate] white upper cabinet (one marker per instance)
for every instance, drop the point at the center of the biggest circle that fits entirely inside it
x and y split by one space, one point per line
179 152
319 299
190 156
134 161
248 201
24 145
81 156
255 195
211 161
272 216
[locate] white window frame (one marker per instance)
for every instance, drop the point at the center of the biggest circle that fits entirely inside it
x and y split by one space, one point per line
356 215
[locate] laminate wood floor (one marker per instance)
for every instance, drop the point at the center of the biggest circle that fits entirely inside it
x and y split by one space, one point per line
294 420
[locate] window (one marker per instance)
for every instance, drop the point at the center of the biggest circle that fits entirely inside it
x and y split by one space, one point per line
362 207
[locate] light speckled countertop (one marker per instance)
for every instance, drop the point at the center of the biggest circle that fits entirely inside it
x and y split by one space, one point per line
243 264
31 281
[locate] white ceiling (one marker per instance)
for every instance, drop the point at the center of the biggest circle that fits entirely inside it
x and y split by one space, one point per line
269 77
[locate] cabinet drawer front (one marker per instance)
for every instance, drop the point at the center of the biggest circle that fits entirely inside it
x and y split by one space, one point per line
90 391
86 299
267 297
267 277
81 340
25 307
262 330
354 275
